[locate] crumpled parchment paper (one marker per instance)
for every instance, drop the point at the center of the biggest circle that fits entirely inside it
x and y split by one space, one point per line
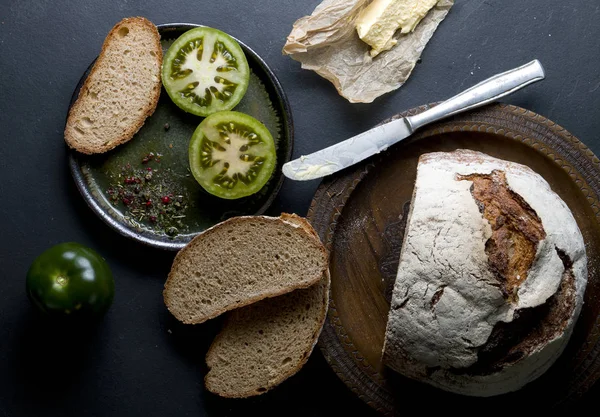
327 43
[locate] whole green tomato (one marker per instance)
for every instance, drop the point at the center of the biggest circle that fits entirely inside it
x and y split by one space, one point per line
71 280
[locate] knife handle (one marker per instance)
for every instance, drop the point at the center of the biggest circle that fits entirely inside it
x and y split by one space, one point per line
485 92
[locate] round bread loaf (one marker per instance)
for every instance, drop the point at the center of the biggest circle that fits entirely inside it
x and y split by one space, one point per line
491 277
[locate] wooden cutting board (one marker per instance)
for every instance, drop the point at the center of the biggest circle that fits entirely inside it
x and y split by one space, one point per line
359 214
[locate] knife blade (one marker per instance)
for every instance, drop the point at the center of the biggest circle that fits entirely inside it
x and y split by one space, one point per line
351 151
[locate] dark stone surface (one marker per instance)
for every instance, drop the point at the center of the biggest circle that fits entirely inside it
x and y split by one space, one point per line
139 361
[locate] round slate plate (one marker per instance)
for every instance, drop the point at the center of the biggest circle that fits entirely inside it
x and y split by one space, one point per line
358 214
167 132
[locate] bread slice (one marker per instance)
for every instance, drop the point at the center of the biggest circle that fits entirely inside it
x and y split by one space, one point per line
240 261
263 344
120 92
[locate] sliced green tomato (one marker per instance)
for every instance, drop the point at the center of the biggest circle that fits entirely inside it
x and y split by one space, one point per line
232 155
205 71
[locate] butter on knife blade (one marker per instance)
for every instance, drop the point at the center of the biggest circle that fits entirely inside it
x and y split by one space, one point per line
312 171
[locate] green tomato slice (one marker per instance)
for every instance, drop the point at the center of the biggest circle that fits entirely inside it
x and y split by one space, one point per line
232 155
205 71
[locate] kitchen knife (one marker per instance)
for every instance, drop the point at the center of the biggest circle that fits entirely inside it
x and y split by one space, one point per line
353 150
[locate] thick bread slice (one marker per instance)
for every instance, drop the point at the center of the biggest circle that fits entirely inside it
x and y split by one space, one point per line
263 344
120 92
240 261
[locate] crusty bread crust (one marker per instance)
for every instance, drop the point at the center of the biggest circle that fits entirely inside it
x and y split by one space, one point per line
250 298
76 136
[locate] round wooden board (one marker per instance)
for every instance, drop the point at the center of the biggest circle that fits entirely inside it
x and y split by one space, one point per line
358 214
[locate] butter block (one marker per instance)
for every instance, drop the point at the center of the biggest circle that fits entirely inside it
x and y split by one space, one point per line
377 23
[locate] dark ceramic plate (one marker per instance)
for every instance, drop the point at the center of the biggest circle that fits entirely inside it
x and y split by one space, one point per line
167 133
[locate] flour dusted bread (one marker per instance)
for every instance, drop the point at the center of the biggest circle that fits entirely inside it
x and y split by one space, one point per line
241 261
120 92
491 277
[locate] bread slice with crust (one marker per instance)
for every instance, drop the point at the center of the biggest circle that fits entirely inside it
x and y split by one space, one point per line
121 90
263 344
239 262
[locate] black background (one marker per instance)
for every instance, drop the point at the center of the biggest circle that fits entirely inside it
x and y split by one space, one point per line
139 361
